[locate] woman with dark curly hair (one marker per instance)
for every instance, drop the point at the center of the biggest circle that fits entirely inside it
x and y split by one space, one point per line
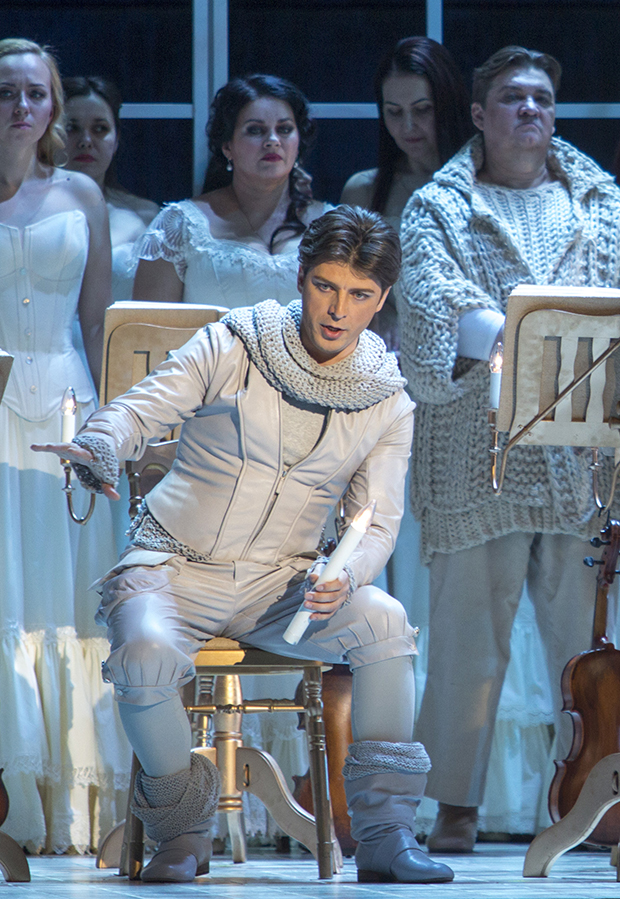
236 244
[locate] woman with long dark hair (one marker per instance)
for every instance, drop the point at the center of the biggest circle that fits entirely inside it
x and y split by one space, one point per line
424 119
92 111
236 244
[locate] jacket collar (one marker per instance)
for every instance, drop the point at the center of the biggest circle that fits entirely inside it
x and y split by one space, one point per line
577 171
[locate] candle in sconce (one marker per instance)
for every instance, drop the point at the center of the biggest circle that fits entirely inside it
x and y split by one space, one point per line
333 568
68 409
495 367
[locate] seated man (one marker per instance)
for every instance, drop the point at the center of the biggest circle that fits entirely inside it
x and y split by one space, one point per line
283 411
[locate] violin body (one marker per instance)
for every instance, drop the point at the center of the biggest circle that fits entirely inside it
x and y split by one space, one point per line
591 694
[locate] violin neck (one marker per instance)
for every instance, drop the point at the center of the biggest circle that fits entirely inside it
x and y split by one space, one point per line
599 629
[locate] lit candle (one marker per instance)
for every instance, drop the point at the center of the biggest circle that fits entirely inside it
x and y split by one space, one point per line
495 367
68 408
333 568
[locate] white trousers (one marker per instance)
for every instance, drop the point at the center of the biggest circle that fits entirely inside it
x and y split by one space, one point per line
474 596
160 608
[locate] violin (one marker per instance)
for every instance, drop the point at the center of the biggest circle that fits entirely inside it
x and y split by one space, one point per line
591 694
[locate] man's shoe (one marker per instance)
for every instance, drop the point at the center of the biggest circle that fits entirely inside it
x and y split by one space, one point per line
179 860
455 829
397 858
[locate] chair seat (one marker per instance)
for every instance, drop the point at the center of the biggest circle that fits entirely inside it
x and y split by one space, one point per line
220 653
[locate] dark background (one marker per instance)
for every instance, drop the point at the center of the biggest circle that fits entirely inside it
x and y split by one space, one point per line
330 49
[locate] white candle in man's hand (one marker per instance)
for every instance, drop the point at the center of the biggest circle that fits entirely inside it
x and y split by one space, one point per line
68 408
333 568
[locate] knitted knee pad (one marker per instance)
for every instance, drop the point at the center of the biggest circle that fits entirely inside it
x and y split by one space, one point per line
176 802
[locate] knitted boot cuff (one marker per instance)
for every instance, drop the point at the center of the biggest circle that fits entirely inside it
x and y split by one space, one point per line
168 819
376 757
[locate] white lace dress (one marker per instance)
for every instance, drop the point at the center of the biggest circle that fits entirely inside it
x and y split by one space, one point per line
227 273
61 743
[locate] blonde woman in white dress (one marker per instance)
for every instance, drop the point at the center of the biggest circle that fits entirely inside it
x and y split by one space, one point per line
236 243
61 744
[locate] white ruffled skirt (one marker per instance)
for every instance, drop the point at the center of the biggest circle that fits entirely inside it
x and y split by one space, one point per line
65 756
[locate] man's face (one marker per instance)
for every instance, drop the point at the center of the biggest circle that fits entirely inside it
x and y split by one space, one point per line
519 112
338 304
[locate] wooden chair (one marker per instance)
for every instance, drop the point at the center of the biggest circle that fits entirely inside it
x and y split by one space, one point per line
137 337
561 387
554 390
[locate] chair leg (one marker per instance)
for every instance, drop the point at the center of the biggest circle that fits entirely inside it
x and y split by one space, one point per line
236 832
111 847
132 853
315 735
258 773
599 792
227 740
13 860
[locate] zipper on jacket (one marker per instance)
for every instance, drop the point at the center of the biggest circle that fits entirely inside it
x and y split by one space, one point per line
267 512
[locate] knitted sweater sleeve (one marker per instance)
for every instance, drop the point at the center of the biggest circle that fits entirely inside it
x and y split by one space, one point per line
437 285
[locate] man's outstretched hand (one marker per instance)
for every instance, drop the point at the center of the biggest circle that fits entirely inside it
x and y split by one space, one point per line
74 453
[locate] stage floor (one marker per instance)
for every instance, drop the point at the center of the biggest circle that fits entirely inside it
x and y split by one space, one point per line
493 871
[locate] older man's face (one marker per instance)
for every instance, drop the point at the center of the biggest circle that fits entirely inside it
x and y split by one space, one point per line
519 112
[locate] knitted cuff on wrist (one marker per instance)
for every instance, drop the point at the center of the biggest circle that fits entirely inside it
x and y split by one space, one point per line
104 467
323 560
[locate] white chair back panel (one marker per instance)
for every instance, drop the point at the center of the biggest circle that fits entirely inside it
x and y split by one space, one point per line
553 348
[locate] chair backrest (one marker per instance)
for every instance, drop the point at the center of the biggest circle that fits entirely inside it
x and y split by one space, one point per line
147 471
6 362
552 336
138 336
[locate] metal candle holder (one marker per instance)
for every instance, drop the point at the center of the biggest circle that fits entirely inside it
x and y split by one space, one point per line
68 408
69 489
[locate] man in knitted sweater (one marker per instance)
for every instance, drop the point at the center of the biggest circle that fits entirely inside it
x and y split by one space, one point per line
513 206
283 411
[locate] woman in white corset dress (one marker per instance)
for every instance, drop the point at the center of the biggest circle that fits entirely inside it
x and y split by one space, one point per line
423 120
92 112
61 745
236 244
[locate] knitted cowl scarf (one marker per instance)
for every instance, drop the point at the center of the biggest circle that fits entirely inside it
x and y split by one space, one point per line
271 336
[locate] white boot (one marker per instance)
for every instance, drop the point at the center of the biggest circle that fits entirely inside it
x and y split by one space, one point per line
382 805
177 810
